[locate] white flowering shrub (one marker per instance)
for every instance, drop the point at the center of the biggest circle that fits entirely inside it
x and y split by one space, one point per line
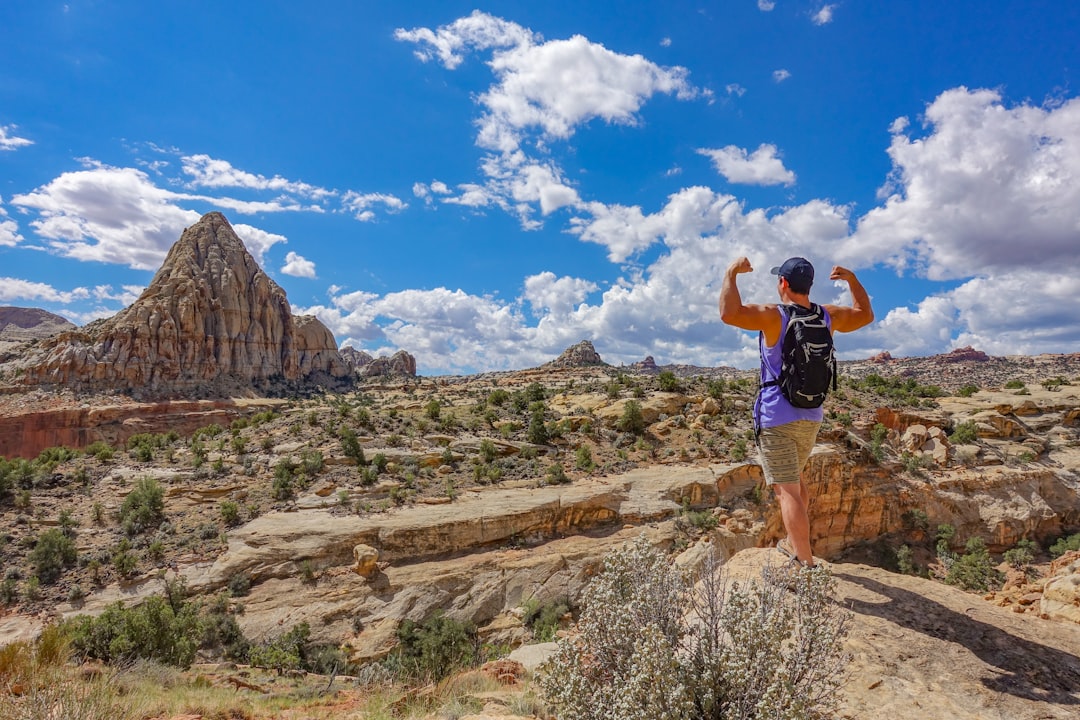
650 644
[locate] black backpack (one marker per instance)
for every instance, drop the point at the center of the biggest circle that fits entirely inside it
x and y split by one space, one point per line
809 361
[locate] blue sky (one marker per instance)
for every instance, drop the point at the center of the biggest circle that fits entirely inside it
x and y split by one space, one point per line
485 185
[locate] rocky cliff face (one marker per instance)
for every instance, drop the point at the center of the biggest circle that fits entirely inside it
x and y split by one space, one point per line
364 365
211 321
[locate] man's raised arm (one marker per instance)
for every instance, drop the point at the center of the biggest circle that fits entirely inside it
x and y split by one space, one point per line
859 314
732 309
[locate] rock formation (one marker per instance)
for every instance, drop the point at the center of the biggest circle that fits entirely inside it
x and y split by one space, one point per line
647 365
210 322
581 355
965 353
19 325
364 365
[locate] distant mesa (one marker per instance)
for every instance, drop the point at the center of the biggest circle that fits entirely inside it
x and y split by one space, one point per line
965 354
399 364
881 357
647 365
19 325
211 323
581 355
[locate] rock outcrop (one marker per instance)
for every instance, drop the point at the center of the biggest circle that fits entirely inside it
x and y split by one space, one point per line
211 322
361 363
581 355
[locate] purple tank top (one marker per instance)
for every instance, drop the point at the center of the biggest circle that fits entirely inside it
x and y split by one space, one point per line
771 409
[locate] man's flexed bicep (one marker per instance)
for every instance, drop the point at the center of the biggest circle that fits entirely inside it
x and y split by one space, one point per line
859 314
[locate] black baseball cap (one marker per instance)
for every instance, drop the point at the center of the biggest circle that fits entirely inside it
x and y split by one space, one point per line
798 272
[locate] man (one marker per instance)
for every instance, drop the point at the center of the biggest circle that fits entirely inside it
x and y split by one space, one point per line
788 433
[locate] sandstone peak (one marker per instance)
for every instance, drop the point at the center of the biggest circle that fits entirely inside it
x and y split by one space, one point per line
211 321
965 353
581 355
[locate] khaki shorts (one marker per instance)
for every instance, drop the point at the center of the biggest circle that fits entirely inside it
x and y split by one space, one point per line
784 450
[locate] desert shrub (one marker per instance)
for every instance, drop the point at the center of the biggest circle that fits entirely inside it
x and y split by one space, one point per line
700 519
1064 545
1014 384
877 442
915 519
543 618
556 475
239 585
221 633
974 570
739 450
535 392
155 630
488 451
1022 554
715 388
49 458
144 507
498 397
583 459
537 433
311 462
967 391
52 552
282 487
964 433
433 409
230 513
434 649
632 419
668 382
905 562
755 651
123 559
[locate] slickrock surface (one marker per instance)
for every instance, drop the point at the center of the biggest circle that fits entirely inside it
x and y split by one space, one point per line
211 321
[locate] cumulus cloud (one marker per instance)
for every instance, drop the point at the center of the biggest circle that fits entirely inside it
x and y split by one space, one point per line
13 289
9 229
556 295
360 204
665 42
988 189
298 266
118 215
206 171
761 167
780 75
10 141
544 91
766 5
735 89
823 16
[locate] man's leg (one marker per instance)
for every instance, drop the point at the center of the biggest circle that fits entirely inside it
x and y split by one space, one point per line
793 499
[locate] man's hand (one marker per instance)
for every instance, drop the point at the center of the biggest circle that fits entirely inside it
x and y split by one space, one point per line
741 265
841 273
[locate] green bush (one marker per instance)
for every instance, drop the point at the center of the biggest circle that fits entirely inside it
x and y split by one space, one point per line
434 649
144 507
543 618
1064 545
632 419
1014 385
537 433
1022 554
52 552
668 382
974 569
964 433
230 513
350 446
757 650
155 630
284 478
967 391
556 475
583 459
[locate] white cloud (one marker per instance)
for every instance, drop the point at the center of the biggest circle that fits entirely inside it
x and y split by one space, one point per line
11 141
780 75
9 229
479 31
735 89
762 167
298 266
127 295
206 171
665 42
988 190
824 16
555 295
766 5
543 91
117 215
360 204
12 289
